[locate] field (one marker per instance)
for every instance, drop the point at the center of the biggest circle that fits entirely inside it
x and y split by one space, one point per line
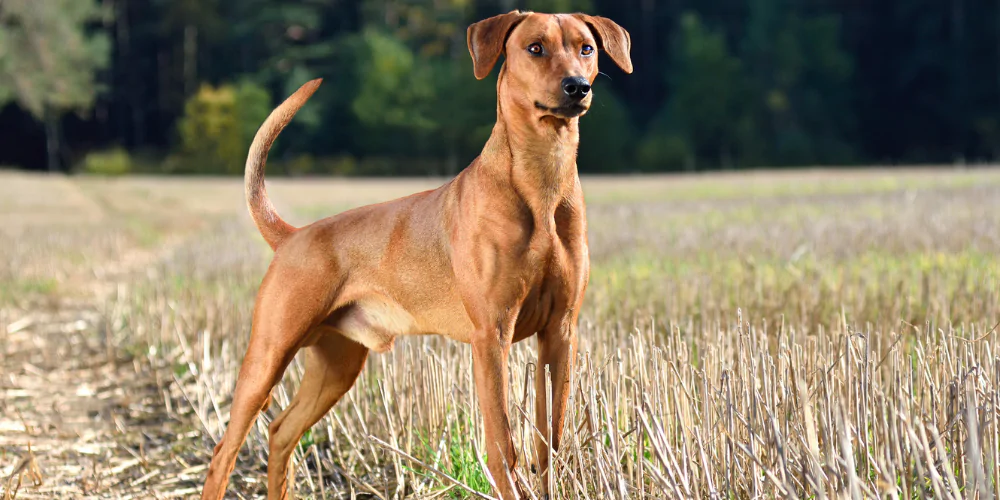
811 334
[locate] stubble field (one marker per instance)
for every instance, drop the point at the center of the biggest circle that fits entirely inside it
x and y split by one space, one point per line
812 334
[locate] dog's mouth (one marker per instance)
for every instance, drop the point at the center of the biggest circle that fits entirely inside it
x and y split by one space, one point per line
571 110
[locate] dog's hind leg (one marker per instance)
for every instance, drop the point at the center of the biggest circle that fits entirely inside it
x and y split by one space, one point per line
333 363
285 314
557 351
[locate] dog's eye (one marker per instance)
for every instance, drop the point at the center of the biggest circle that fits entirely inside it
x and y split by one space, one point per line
587 50
535 49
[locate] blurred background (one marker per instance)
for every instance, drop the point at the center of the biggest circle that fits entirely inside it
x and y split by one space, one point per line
776 332
180 86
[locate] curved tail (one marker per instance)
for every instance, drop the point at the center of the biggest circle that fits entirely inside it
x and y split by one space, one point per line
271 226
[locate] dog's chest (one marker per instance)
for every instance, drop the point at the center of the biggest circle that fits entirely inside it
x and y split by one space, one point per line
554 274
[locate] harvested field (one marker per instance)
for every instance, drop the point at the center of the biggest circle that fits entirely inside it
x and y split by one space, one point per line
804 334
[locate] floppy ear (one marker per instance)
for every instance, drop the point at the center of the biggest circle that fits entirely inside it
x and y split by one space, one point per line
612 38
487 39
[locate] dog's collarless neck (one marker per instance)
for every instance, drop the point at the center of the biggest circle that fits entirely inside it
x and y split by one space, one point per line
537 162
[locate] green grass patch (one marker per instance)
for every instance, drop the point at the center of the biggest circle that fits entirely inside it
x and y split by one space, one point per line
19 289
455 457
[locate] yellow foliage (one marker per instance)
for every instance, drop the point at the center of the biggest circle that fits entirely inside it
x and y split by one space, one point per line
210 131
112 162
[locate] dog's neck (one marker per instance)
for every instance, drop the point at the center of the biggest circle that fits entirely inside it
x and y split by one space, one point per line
535 154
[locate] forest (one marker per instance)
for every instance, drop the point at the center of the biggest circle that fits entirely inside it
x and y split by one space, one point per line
180 86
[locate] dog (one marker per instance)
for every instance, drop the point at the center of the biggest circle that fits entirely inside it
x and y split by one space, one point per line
495 256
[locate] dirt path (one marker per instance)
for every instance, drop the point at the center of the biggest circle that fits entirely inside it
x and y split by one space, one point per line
78 421
80 418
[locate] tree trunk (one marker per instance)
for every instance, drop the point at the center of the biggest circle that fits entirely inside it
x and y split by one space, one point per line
122 77
190 59
958 79
52 146
391 16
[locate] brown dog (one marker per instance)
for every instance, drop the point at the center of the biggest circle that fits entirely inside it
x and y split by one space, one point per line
491 258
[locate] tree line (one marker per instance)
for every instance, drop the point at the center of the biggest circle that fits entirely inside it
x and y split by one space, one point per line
181 85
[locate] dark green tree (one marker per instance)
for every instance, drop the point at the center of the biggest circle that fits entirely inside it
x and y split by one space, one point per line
699 123
735 83
559 5
797 74
607 135
463 112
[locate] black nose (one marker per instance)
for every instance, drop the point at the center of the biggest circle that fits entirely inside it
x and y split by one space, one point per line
576 87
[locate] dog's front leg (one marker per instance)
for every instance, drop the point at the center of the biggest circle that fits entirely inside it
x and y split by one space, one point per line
489 359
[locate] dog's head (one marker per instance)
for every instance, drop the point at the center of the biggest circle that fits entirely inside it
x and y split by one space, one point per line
551 59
